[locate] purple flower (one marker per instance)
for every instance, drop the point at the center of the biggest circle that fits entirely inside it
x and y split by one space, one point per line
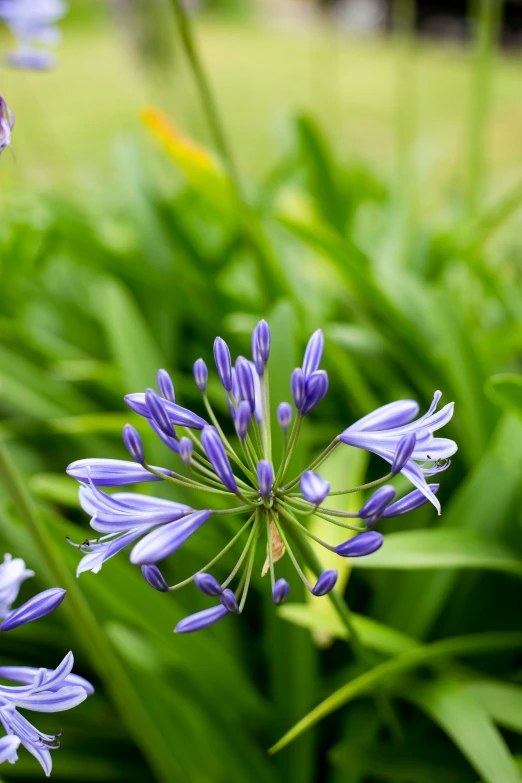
284 415
223 363
326 582
7 121
46 691
167 539
361 545
265 478
217 455
165 386
383 430
201 375
280 591
155 578
200 620
36 607
243 480
314 488
316 386
112 472
32 22
313 353
207 584
133 443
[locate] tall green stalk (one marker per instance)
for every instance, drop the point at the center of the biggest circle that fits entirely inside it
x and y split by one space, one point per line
486 15
90 634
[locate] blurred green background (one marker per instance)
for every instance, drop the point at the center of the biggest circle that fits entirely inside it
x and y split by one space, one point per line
381 187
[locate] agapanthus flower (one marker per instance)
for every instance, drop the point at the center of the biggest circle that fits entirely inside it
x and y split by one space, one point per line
33 24
42 690
238 469
7 121
39 690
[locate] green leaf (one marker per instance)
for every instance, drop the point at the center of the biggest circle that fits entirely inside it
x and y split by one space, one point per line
468 724
373 635
502 701
441 548
429 653
505 390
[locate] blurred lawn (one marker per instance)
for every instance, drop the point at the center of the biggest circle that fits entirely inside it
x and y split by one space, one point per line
66 119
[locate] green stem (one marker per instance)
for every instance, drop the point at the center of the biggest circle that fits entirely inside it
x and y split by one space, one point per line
90 634
315 464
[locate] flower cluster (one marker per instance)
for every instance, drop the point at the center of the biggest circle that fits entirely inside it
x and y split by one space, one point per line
33 24
39 690
241 470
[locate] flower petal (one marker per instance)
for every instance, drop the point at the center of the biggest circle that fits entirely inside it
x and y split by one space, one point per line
167 539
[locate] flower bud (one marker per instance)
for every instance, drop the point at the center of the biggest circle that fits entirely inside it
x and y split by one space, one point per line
326 582
313 353
158 411
133 444
284 415
201 375
261 346
361 545
200 620
297 384
245 378
228 599
314 488
409 502
155 578
38 606
165 385
265 477
280 591
207 584
376 504
223 362
217 456
403 452
185 450
242 419
315 388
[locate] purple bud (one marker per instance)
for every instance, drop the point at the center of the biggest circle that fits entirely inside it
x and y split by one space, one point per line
229 601
158 412
185 450
242 419
314 488
326 582
361 545
280 591
377 502
256 356
200 620
217 455
284 415
261 344
223 362
165 385
172 441
297 384
36 607
265 477
245 378
201 375
409 502
313 353
155 578
315 389
207 584
403 452
133 444
166 539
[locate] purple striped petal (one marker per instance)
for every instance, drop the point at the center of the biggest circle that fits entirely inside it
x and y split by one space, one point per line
155 578
315 389
165 386
133 443
223 363
280 591
409 502
297 385
217 456
207 584
313 353
403 452
112 472
361 545
376 504
326 582
314 488
245 378
394 414
178 416
38 606
265 478
229 601
201 375
52 701
200 620
284 415
167 539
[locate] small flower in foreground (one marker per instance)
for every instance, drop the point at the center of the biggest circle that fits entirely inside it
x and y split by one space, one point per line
40 690
238 469
7 121
32 22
